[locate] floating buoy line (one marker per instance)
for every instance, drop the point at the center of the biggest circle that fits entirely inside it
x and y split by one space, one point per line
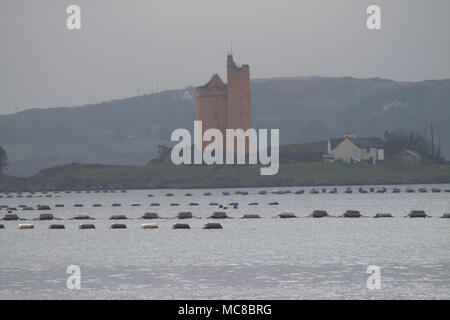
315 190
11 214
188 215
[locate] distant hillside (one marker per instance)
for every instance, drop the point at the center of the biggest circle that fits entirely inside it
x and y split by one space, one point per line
117 132
127 132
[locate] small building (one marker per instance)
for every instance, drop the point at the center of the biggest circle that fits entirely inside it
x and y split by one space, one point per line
409 157
354 150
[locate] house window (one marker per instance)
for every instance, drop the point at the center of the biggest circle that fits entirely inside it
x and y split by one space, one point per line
216 115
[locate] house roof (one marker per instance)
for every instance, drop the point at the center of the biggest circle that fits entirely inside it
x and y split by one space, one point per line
335 142
359 142
368 142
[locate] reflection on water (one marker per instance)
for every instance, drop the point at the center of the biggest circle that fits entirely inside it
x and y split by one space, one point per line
266 258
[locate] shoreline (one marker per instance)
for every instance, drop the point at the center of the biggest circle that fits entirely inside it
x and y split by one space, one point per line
92 177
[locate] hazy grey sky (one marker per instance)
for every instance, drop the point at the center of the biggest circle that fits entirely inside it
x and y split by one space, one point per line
125 46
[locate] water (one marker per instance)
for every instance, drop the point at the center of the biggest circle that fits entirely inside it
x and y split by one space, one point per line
268 258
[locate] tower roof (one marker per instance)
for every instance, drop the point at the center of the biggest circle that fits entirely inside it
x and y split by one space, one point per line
214 82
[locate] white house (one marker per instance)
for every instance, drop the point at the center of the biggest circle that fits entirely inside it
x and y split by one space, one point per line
353 149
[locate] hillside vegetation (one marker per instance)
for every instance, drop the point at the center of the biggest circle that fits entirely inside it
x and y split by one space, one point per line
127 132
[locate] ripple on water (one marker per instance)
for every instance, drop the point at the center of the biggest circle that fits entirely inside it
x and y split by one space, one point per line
248 259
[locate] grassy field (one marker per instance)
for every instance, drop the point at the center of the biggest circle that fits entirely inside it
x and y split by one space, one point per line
78 176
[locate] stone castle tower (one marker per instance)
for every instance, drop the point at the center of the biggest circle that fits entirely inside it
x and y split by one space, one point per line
226 106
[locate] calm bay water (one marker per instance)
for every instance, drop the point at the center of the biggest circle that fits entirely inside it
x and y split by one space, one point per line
268 258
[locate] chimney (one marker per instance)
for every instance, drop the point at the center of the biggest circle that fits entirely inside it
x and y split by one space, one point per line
349 135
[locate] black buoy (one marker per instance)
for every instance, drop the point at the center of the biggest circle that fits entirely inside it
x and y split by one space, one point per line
46 216
149 226
287 215
181 226
185 215
82 216
11 217
212 226
319 214
86 226
118 226
383 215
118 217
251 216
352 214
417 214
218 215
56 226
150 215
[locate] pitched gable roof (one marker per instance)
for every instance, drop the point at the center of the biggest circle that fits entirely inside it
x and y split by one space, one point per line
359 142
368 142
214 82
335 142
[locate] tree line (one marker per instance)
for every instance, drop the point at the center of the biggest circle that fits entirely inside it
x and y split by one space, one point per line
396 141
3 160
